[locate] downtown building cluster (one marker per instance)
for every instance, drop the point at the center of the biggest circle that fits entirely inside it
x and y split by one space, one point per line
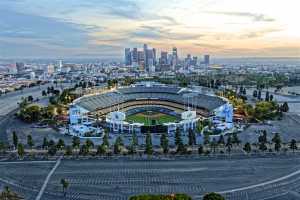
147 59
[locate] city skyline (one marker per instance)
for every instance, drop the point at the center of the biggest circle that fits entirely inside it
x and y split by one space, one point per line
103 29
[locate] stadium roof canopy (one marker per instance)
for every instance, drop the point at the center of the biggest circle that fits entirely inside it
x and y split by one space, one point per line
164 93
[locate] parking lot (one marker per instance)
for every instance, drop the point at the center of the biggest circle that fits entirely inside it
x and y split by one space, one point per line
113 179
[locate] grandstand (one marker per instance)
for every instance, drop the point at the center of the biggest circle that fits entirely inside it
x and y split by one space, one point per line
126 100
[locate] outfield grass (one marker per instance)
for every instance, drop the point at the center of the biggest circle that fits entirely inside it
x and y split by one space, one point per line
147 119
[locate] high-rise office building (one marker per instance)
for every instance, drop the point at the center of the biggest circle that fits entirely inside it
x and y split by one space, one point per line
141 58
20 67
174 61
164 58
146 55
194 61
60 66
154 56
134 56
150 59
206 59
128 57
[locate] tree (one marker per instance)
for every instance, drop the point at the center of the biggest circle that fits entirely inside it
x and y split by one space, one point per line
7 194
65 184
263 146
2 147
45 143
76 142
44 93
30 113
285 107
277 147
259 94
21 150
135 140
60 144
247 147
118 145
105 139
267 98
69 151
255 93
30 142
178 139
213 145
235 139
293 145
213 196
30 98
263 138
181 149
15 139
229 144
192 137
277 140
84 150
229 140
101 150
206 138
164 143
149 148
221 140
51 143
89 143
52 150
200 150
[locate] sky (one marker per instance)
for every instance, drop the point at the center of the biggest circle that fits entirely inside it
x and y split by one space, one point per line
103 28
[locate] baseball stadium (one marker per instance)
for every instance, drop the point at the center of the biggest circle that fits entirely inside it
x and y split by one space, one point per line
147 107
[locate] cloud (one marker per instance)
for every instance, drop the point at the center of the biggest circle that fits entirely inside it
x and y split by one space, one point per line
212 46
254 16
163 33
258 33
19 25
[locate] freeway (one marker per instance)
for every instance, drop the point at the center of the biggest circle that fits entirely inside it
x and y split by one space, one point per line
9 102
269 178
9 105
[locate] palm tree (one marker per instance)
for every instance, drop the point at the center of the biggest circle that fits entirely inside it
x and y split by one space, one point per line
65 185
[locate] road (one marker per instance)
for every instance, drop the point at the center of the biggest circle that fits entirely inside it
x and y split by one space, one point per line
9 102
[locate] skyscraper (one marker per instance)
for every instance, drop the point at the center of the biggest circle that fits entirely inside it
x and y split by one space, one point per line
206 59
146 55
128 57
134 56
141 58
174 58
150 59
60 66
195 60
164 58
20 67
154 56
